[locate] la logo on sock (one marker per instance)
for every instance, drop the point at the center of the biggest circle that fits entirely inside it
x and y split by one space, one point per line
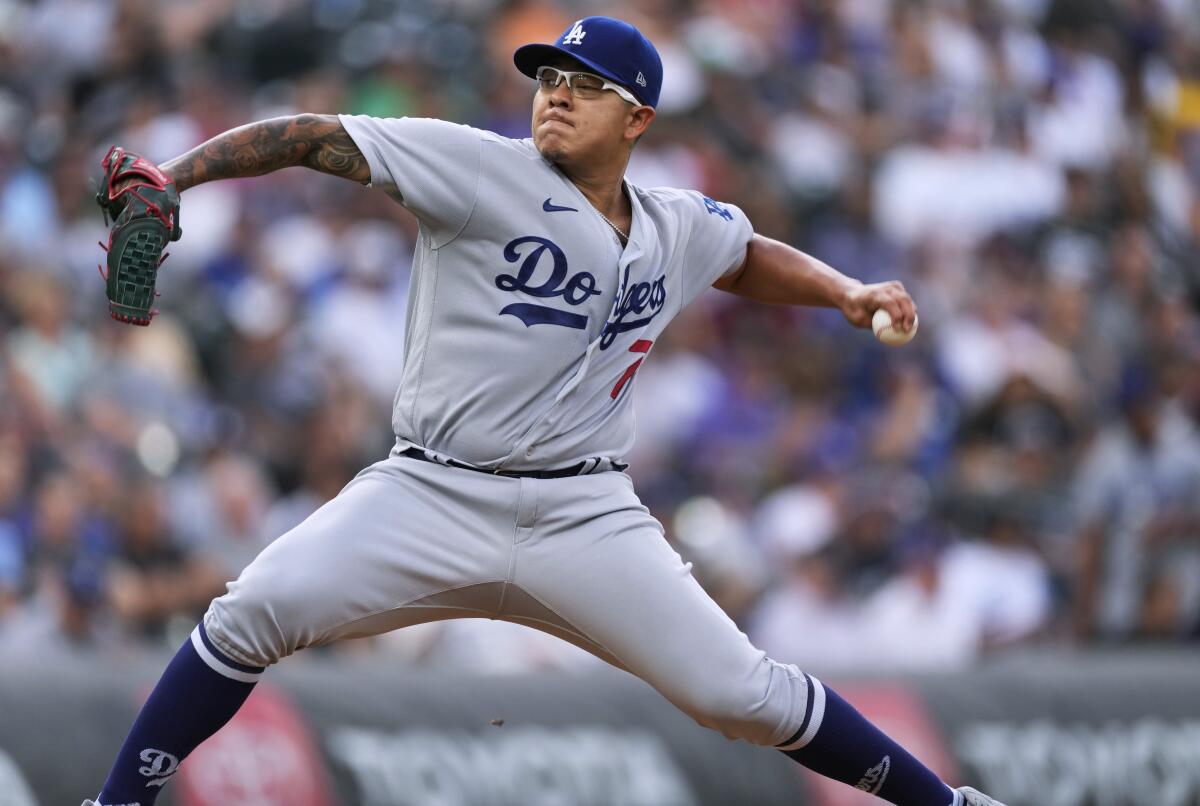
162 766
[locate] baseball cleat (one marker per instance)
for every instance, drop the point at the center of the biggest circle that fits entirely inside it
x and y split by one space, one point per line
973 797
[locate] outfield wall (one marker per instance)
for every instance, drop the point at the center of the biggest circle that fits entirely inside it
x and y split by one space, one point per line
1070 730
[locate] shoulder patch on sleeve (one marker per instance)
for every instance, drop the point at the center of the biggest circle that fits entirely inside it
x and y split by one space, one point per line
716 209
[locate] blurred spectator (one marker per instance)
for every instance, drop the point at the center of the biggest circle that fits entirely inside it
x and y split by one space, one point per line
48 350
66 616
360 323
1138 516
715 541
153 577
14 481
810 615
61 530
953 601
219 510
12 571
1029 168
327 462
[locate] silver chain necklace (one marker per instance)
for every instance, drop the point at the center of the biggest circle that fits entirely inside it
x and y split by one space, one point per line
622 235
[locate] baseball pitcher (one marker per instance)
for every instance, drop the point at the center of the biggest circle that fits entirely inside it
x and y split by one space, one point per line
542 280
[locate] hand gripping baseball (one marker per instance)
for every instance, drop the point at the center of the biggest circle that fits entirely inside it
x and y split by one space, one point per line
143 206
861 303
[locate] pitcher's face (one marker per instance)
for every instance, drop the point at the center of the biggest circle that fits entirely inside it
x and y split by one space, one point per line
581 123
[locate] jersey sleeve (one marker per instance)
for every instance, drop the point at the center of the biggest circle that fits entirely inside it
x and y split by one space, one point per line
715 236
430 166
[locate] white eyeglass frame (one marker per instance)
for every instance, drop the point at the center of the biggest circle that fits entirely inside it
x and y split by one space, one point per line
566 75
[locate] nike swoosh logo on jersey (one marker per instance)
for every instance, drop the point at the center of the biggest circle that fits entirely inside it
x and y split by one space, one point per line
554 208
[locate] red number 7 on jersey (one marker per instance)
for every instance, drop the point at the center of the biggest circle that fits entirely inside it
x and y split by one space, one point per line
639 346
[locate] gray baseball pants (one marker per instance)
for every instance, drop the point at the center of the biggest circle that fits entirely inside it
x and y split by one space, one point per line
407 541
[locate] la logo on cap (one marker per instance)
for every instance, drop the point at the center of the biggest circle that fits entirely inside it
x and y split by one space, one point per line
575 35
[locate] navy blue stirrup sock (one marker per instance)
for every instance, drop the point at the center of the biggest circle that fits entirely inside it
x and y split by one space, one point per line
198 693
838 742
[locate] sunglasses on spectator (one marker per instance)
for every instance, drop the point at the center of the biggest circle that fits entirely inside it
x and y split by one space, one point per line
586 86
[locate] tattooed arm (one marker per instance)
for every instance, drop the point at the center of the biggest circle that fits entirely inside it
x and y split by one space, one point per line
314 141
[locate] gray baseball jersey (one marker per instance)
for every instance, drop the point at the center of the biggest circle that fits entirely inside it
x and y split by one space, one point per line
527 320
527 323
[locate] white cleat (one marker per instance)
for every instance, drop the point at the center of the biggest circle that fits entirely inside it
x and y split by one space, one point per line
972 797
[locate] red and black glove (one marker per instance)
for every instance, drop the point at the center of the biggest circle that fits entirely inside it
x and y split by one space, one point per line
143 206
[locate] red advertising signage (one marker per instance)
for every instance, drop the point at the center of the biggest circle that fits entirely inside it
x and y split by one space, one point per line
264 756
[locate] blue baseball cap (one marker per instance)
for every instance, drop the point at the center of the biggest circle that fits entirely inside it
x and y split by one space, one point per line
610 47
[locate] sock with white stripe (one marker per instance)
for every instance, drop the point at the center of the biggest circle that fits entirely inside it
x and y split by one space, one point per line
198 693
838 742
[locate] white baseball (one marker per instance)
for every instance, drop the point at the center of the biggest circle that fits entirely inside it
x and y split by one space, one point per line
887 332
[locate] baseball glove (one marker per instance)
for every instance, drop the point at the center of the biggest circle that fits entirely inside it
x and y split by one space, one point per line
143 206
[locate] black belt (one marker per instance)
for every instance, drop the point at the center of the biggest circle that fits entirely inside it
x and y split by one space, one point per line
561 473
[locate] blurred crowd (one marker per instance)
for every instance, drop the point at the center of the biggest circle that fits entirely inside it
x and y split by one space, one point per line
1026 472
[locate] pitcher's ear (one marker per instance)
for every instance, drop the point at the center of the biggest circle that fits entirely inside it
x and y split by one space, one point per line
639 120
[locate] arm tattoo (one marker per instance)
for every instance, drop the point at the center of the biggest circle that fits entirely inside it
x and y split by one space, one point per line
314 141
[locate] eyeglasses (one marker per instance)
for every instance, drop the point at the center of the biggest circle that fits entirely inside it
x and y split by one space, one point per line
587 86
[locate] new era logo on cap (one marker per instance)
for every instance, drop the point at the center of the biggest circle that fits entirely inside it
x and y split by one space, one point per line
606 46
